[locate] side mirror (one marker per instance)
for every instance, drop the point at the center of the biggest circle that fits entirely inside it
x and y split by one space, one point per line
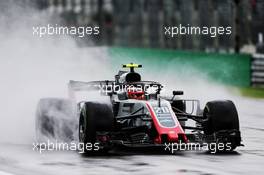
177 93
117 77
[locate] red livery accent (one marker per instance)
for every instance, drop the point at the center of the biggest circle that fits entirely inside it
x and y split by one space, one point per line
167 134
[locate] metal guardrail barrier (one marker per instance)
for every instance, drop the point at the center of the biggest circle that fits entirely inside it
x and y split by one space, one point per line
140 22
257 70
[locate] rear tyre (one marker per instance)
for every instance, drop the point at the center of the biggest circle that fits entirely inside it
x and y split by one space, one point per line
221 124
94 118
55 120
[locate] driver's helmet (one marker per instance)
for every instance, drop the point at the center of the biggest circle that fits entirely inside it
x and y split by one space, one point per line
133 93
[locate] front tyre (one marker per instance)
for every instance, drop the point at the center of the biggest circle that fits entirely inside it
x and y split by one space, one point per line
221 124
95 118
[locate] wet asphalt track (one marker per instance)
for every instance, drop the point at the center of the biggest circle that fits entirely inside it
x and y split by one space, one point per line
20 159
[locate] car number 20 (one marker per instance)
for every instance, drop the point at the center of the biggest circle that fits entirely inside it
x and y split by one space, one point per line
162 110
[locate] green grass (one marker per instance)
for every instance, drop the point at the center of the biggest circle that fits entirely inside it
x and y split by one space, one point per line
252 92
228 69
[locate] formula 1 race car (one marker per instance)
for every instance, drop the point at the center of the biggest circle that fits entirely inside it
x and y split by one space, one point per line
136 115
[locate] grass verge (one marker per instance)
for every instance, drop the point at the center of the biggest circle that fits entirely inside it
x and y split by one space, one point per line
252 92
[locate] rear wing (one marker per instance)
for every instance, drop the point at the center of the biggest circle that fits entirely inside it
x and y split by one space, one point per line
100 86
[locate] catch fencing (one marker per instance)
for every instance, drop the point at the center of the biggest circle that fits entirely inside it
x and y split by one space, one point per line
257 70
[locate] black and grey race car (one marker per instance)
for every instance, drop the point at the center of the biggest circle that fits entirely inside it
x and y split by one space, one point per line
136 115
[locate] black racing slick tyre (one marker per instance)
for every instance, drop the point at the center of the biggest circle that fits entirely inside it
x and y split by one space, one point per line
55 120
94 118
221 120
